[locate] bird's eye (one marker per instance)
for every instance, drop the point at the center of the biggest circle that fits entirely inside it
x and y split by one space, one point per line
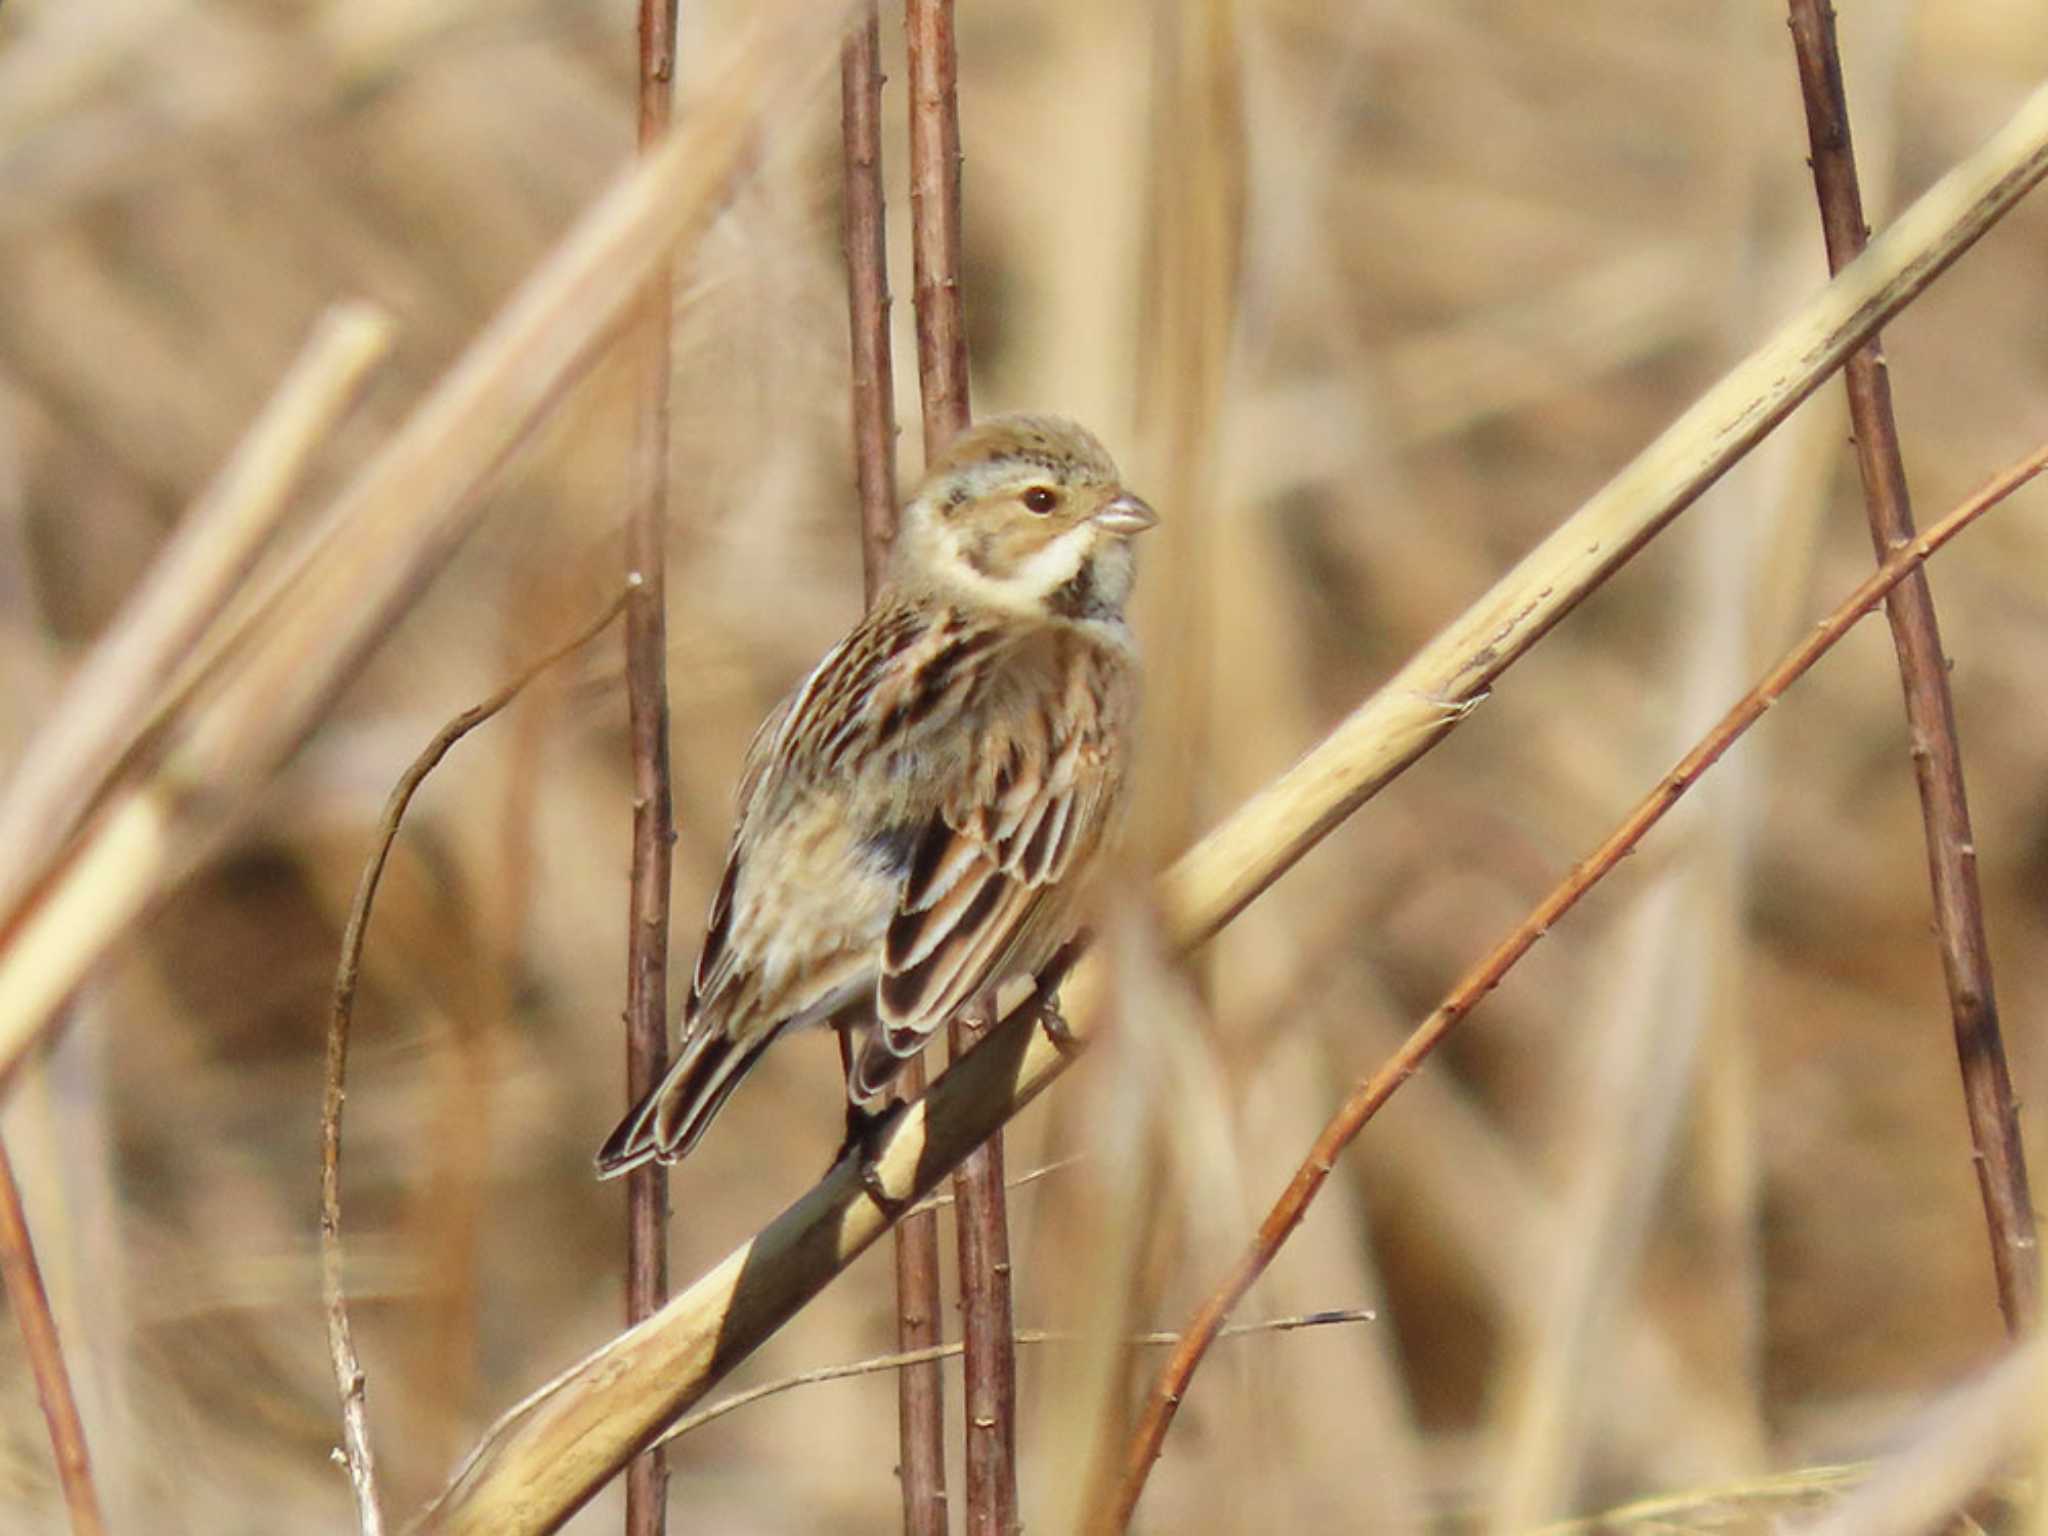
1041 499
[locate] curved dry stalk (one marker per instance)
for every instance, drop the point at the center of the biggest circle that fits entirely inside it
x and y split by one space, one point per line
348 1370
30 1304
647 726
397 525
1994 1119
1366 1099
904 1359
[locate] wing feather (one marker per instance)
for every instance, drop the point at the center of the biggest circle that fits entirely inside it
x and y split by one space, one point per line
988 887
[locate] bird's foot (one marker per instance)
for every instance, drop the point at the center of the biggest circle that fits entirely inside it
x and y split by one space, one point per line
1050 980
867 1131
1056 1028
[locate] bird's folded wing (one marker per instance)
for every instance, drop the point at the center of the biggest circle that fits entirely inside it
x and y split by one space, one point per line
983 873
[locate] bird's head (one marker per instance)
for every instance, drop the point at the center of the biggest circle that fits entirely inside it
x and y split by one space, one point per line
1027 514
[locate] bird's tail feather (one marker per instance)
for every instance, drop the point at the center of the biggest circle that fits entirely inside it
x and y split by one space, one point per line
666 1124
875 1068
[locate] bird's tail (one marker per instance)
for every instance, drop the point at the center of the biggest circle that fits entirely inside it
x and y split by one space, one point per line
876 1067
666 1124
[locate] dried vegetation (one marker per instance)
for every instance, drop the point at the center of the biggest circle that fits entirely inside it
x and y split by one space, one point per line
1688 1203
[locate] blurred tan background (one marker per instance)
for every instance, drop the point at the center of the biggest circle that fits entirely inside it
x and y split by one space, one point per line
1366 298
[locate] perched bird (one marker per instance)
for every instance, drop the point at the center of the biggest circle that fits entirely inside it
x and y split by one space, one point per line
917 821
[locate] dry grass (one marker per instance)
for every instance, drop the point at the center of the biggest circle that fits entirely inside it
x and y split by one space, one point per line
1487 253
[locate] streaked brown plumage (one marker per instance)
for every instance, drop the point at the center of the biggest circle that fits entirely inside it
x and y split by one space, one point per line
917 821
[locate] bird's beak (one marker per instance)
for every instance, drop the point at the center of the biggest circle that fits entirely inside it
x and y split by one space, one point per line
1126 515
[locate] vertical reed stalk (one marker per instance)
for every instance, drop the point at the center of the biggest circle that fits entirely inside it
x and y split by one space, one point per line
1930 710
653 816
980 1216
921 1389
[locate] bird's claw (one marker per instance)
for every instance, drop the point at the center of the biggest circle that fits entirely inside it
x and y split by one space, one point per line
866 1131
1057 1030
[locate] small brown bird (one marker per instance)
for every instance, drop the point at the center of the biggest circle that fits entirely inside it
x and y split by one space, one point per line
918 819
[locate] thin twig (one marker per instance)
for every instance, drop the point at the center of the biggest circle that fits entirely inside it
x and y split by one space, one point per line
866 249
935 226
451 1209
920 1389
1993 1116
944 1199
647 716
904 1359
988 1384
30 1304
980 1218
1365 1100
348 1368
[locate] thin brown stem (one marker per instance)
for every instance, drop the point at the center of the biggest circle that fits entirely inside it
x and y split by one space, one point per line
935 220
981 1219
1365 1099
348 1367
867 294
647 724
1993 1116
920 1389
987 1332
944 1199
30 1304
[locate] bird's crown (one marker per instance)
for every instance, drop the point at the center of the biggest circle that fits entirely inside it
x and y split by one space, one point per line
1061 450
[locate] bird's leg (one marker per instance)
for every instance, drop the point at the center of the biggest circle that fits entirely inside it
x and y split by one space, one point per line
1050 1019
866 1130
1056 1028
